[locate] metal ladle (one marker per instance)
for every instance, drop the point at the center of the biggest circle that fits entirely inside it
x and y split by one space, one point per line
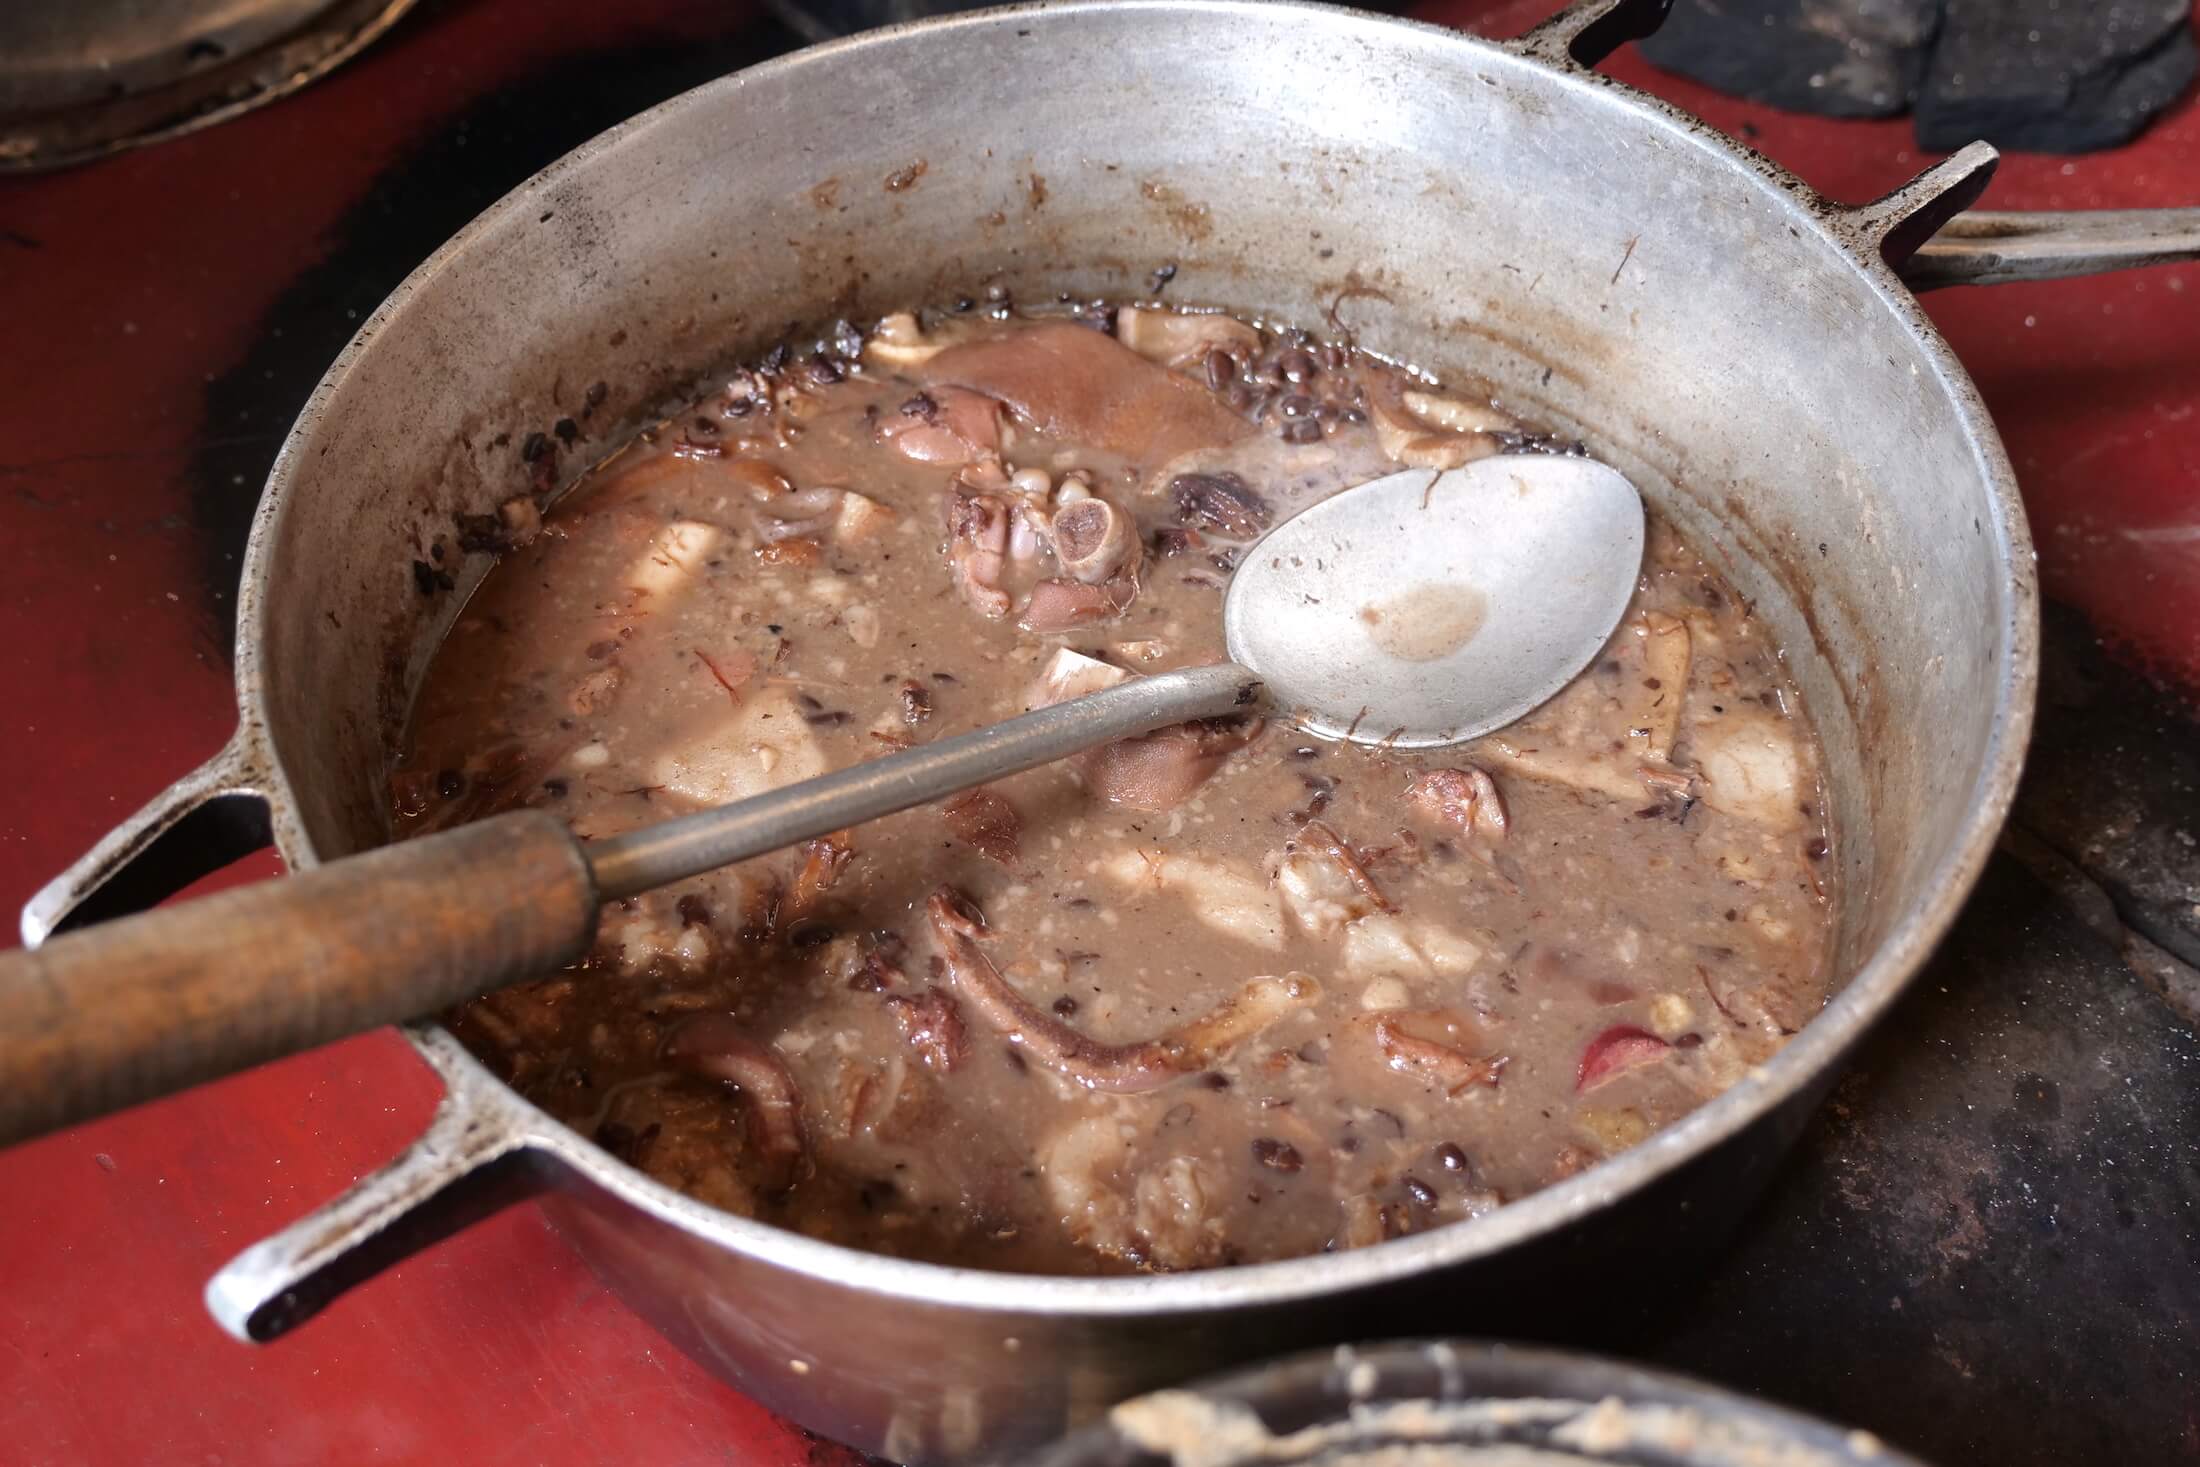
1418 610
1413 611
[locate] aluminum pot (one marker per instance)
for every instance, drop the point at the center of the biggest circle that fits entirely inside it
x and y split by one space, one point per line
1742 348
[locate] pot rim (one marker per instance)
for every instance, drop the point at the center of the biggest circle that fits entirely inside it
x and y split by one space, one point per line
1816 1049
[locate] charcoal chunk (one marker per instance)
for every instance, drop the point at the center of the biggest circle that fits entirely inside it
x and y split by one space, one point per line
2051 76
1837 58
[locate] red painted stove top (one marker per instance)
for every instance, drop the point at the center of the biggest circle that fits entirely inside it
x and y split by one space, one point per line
128 286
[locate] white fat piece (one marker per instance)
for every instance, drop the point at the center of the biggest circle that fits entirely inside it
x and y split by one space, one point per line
1231 901
1750 766
1070 675
759 746
672 560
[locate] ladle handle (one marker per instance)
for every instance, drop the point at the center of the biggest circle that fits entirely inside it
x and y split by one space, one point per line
1983 247
140 1007
658 854
144 1006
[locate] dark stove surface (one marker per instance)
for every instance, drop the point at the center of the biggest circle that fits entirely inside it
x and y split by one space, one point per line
1988 1249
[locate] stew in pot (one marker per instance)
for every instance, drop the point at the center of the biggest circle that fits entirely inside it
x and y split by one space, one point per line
1223 993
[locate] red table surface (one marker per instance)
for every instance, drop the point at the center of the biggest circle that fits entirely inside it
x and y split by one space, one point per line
127 286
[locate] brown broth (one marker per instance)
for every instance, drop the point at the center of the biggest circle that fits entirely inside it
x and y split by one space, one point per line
1324 995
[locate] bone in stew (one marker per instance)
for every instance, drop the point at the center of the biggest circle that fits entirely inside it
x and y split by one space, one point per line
1220 994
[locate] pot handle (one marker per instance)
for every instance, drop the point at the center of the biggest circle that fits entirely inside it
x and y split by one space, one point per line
475 1159
1587 31
1929 235
212 816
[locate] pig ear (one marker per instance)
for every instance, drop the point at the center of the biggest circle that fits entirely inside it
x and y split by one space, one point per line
1080 384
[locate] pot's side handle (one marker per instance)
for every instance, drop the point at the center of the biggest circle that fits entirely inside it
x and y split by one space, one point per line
1923 232
1894 225
474 1160
1985 248
1586 32
201 823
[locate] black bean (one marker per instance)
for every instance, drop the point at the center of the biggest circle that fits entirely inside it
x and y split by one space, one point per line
1222 369
1215 1080
1298 365
1296 405
1688 1041
1816 850
1065 1006
824 371
1277 1155
449 783
1420 1191
1301 430
812 934
1450 1157
1175 540
1220 502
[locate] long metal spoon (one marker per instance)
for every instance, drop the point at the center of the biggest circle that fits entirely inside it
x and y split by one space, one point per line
1418 610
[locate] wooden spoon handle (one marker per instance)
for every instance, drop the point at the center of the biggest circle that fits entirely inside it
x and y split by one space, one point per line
140 1007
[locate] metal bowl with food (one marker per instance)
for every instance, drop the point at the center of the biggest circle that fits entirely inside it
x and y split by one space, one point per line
1458 1403
1745 351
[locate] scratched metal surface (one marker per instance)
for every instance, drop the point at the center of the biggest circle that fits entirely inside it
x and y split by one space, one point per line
1989 1249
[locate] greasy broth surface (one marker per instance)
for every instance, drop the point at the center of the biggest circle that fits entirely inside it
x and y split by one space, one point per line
1324 995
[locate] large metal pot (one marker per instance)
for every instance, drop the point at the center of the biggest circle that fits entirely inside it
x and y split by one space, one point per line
1744 349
